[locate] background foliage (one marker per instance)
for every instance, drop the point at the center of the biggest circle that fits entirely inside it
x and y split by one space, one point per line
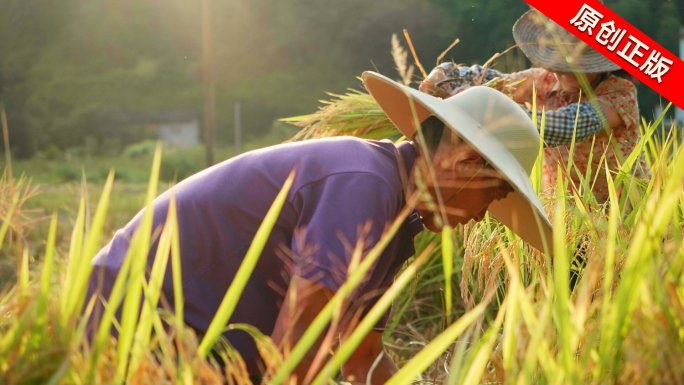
65 64
501 313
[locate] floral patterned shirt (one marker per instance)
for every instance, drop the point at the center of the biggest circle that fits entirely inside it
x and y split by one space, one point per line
561 109
617 92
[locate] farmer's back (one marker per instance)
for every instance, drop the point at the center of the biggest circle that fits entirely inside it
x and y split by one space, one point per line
340 184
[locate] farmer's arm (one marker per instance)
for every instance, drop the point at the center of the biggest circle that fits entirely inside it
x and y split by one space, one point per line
337 214
304 300
357 367
529 78
560 124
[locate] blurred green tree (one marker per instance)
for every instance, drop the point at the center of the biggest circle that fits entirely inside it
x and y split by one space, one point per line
65 65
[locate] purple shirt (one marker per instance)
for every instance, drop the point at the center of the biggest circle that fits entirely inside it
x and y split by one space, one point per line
341 184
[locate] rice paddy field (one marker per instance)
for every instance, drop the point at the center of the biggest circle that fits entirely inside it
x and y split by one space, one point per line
475 305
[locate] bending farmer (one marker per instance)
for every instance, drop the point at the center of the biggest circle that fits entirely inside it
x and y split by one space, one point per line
481 146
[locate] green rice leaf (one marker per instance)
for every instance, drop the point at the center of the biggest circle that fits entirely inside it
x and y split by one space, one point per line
448 264
8 219
77 290
561 276
479 364
153 288
131 305
225 310
350 344
74 261
323 318
24 272
425 358
46 277
176 265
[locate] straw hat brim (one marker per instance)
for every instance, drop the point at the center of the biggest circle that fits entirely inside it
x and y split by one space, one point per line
550 46
521 210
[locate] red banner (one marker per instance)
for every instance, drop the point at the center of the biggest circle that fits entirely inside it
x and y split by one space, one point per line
620 42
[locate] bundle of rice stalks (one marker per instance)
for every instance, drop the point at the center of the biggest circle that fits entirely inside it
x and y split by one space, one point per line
607 309
356 113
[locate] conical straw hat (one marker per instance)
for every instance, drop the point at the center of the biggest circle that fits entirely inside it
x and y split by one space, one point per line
550 46
492 124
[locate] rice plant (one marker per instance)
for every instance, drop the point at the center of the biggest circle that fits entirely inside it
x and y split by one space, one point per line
538 330
476 304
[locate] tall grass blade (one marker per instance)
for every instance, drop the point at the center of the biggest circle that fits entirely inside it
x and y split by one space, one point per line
421 361
448 264
46 277
116 296
482 355
77 290
131 305
574 133
656 215
538 168
561 276
8 219
230 300
154 287
606 320
324 316
74 261
5 137
628 164
512 313
530 358
24 272
370 320
458 370
176 265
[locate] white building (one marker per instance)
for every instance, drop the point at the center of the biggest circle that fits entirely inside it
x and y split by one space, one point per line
178 128
180 134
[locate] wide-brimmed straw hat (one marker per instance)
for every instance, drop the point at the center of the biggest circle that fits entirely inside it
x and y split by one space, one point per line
552 47
493 125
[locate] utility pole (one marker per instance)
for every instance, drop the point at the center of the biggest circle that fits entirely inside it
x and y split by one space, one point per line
208 81
679 113
237 117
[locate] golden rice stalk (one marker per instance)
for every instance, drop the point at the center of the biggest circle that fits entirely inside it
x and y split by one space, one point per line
400 57
355 113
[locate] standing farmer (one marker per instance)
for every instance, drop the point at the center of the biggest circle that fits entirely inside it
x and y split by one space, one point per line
481 145
614 116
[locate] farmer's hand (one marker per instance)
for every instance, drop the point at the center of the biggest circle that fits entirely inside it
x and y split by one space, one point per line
429 85
357 367
438 83
303 302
